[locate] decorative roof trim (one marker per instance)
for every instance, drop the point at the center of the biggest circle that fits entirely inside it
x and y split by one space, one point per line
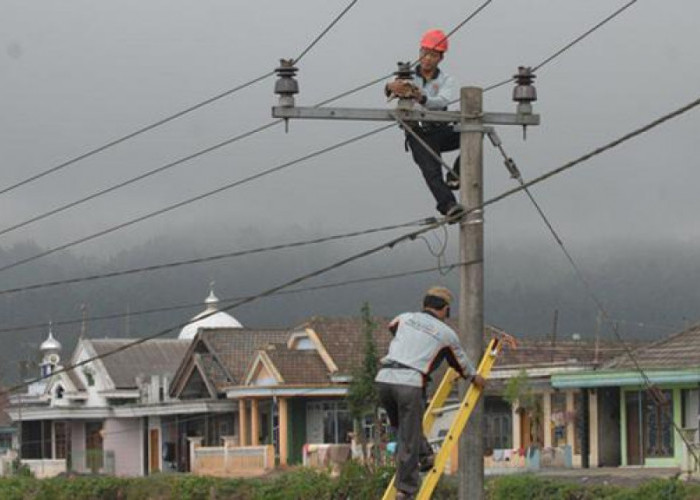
327 359
197 363
216 357
261 358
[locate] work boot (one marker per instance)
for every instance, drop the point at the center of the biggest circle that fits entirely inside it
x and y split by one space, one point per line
452 179
426 462
455 213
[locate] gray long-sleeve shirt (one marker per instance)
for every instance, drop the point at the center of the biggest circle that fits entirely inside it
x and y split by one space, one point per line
420 343
439 91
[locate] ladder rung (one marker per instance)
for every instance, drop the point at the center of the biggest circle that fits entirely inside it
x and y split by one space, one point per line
445 409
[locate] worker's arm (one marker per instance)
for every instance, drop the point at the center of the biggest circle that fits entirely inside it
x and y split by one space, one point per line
394 325
445 95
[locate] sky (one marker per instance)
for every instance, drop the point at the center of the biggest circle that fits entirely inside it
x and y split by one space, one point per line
79 74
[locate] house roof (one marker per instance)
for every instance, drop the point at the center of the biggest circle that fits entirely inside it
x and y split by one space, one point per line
538 352
298 367
152 357
235 347
680 351
343 339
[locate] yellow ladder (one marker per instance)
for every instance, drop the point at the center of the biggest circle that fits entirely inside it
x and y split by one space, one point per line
435 408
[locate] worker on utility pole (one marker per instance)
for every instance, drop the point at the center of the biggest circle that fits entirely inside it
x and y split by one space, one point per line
421 342
433 89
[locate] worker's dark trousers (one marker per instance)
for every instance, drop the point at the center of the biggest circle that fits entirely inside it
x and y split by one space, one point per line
440 139
405 405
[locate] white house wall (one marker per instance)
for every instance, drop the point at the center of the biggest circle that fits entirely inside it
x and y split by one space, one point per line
102 383
77 442
124 437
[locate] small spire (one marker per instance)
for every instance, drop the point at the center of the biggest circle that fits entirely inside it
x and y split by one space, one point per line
212 301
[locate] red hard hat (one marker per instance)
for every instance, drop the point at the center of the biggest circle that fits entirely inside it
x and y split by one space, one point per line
434 40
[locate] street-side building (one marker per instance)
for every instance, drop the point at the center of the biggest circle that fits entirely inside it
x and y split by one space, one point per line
113 413
289 385
637 426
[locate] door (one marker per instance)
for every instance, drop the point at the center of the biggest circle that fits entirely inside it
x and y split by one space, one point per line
634 428
153 462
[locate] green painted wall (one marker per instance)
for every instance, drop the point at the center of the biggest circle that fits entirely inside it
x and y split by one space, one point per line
297 430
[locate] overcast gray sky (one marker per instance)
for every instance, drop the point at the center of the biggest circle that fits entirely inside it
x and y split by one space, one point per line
77 74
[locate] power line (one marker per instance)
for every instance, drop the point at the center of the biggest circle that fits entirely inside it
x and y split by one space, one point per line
195 198
444 268
566 47
207 150
388 245
595 152
413 235
174 116
653 390
539 179
212 258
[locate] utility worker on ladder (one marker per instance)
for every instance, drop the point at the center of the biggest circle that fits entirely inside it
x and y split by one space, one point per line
421 342
433 89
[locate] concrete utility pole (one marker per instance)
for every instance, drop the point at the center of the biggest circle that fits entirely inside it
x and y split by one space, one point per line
471 123
471 286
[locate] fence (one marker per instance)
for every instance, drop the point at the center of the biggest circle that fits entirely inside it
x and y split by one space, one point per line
233 461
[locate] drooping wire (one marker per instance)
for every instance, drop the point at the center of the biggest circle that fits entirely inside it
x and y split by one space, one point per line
193 199
651 388
444 269
388 245
199 153
211 258
174 116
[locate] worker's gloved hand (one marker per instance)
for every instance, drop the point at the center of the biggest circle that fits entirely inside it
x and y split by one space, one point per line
403 89
478 381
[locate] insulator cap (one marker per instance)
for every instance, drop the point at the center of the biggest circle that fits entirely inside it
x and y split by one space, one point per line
286 84
405 72
524 91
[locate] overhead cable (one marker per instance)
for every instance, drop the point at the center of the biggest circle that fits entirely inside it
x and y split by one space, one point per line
174 116
201 152
653 390
194 199
211 258
566 47
443 268
366 253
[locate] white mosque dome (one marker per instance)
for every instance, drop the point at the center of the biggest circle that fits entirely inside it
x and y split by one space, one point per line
211 317
50 344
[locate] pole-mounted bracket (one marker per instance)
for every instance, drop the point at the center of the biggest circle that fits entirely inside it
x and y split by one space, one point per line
473 127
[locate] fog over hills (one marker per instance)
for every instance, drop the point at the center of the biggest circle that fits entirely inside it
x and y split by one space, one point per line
649 288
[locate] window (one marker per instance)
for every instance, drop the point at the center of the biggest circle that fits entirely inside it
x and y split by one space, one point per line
60 430
89 377
333 417
59 392
498 425
658 436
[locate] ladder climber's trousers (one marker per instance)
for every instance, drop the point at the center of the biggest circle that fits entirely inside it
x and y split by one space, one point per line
405 405
440 139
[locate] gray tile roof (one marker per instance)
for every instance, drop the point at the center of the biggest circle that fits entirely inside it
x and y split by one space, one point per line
679 351
298 367
343 338
152 357
236 347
